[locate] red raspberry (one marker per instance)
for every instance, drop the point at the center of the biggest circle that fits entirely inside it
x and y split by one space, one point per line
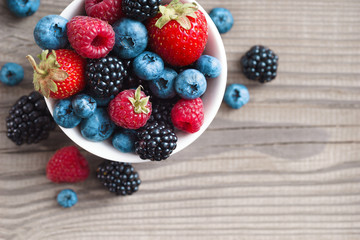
67 165
107 10
188 115
90 37
130 109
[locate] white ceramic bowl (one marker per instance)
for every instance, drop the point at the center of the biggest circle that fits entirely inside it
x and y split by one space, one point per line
212 98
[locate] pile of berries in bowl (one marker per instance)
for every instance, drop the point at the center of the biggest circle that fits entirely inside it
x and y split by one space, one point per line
131 82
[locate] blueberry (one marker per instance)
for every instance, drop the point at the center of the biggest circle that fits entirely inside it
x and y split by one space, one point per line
124 140
83 105
67 198
190 84
50 32
131 38
64 114
222 19
236 95
148 66
98 127
23 8
11 74
102 102
209 66
163 87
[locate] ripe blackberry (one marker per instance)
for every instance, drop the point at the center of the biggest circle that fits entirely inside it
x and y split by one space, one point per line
29 120
161 112
260 64
119 178
156 141
105 76
140 9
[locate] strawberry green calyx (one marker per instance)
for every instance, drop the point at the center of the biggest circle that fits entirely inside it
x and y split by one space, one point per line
139 103
47 72
177 11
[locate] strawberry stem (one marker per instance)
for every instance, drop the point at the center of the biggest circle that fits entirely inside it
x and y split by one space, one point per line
35 66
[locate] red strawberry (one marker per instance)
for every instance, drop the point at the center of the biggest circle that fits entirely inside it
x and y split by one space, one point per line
60 74
90 37
130 109
67 165
188 115
107 10
178 33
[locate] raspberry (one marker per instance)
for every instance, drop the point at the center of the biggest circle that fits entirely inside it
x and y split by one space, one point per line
90 37
188 115
67 165
130 109
107 10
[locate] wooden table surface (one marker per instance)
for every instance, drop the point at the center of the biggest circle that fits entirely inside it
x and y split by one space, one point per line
284 167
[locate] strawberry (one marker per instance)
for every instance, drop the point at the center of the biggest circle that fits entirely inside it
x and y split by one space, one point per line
67 165
60 74
130 109
90 37
178 33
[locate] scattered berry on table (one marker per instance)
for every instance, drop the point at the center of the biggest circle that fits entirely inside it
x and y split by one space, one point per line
124 140
130 109
188 115
105 76
222 19
107 10
64 114
90 37
67 165
236 95
50 32
67 198
163 87
209 66
23 8
156 141
60 73
148 66
83 105
190 84
260 64
98 126
11 74
178 33
131 38
140 9
119 178
29 120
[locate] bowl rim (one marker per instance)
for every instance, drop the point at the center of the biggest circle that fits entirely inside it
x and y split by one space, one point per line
76 7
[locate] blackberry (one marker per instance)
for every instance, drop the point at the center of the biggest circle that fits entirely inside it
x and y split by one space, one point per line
119 178
260 64
140 9
105 76
161 112
155 141
29 120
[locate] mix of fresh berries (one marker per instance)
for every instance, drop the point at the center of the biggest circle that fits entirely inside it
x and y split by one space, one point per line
29 120
129 71
67 198
119 178
260 64
67 165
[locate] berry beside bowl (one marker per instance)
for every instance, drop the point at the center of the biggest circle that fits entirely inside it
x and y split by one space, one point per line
212 98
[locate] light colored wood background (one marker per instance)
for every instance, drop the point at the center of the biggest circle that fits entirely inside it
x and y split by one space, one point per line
284 167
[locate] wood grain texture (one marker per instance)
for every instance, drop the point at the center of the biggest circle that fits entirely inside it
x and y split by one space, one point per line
284 167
